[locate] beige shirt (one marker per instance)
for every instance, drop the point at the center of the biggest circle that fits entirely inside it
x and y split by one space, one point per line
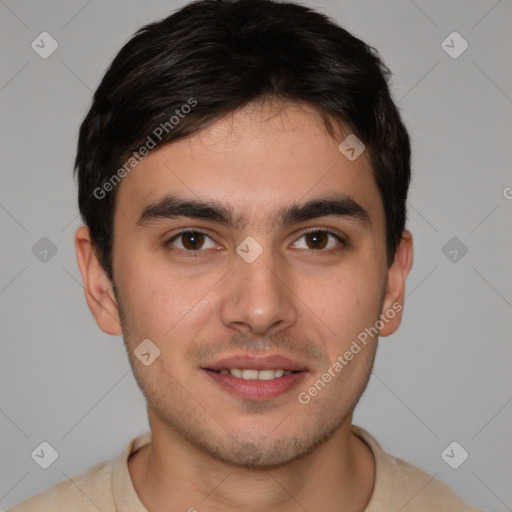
109 488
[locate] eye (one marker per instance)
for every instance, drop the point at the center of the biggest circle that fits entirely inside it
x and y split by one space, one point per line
319 239
192 240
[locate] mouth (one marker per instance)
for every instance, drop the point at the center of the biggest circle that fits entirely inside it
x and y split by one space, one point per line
254 378
249 374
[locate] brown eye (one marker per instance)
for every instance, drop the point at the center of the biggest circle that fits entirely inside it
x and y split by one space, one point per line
192 240
317 239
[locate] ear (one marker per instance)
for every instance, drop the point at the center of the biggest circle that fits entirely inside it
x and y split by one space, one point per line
99 293
395 292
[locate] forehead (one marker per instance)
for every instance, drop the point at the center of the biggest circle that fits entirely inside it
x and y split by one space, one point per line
255 160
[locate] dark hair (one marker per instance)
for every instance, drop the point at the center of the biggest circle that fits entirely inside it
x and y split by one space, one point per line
216 56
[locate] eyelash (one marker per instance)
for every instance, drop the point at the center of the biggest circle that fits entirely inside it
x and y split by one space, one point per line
343 242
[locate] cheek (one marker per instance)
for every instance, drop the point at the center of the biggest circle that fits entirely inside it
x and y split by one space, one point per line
346 301
165 303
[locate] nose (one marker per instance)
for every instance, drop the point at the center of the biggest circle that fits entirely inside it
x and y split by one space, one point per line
259 296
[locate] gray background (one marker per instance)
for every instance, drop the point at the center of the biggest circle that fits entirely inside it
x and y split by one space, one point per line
444 376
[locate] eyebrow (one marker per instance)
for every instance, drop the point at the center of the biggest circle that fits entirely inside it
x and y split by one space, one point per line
170 207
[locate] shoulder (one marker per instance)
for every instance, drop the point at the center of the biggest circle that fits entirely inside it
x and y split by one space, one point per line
104 487
401 486
90 491
417 490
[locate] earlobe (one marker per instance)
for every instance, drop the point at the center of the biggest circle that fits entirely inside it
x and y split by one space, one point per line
393 304
98 288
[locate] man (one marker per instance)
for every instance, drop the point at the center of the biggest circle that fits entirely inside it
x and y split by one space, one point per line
243 175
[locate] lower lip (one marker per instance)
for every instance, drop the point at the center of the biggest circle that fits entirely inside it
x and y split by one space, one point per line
256 389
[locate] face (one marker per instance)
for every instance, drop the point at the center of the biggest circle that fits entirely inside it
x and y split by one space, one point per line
249 295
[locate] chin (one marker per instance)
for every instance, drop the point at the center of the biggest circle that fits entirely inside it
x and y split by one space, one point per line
262 455
258 450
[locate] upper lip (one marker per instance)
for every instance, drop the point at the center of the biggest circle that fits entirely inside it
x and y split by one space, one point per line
274 362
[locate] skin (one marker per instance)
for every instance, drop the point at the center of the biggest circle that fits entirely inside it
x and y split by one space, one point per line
212 450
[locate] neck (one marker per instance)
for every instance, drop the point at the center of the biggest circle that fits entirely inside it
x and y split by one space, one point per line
337 475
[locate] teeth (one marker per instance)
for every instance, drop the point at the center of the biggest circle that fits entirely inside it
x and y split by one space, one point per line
255 374
264 374
250 374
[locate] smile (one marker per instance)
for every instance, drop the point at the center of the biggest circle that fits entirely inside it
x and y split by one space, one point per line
250 374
